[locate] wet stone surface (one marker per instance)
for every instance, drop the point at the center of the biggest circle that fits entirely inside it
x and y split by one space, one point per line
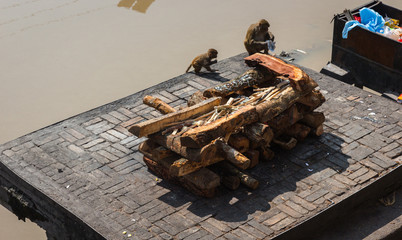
90 164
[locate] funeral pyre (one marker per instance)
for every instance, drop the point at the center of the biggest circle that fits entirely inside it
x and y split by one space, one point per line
231 127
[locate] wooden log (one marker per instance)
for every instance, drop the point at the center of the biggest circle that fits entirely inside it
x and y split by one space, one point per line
160 152
182 166
313 99
298 131
231 182
286 145
245 179
318 131
267 110
233 156
313 119
202 182
297 77
254 156
155 125
250 78
200 136
266 154
173 143
158 104
284 120
203 179
196 98
239 142
258 133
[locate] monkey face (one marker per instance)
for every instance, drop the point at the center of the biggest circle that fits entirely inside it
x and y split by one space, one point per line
212 53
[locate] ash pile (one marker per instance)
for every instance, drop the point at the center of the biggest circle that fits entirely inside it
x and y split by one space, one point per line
231 127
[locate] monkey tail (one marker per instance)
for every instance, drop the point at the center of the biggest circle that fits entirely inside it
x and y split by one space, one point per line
189 68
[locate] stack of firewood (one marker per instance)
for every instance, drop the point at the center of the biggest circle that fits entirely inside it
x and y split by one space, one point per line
231 127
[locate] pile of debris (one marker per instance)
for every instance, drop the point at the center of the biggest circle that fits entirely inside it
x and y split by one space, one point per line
231 127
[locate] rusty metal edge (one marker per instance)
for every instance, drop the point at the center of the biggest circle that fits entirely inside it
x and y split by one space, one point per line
317 223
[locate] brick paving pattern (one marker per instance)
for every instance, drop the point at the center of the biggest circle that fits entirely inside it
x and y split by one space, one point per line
90 165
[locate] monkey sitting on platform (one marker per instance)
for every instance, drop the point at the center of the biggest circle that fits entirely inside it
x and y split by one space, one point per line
204 60
257 37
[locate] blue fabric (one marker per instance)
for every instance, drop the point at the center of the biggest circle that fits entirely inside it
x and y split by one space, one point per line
370 20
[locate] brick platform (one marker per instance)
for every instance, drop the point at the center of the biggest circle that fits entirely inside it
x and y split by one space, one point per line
90 165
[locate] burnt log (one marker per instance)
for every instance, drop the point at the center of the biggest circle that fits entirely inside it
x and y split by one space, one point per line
266 154
298 131
254 156
231 182
245 179
287 145
313 119
250 78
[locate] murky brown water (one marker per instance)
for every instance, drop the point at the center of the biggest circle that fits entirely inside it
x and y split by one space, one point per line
60 58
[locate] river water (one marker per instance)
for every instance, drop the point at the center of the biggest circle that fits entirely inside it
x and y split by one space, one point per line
60 58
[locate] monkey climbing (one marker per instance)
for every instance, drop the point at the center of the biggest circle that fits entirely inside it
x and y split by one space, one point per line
204 60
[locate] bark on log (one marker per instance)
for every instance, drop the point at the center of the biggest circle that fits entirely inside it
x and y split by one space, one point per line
245 179
202 182
200 136
239 142
234 156
173 143
313 99
231 182
284 120
182 167
297 77
157 124
161 152
254 156
286 145
196 98
158 104
248 79
258 133
313 119
269 109
298 131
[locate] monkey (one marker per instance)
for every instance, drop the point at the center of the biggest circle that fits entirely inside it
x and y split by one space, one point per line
256 37
204 60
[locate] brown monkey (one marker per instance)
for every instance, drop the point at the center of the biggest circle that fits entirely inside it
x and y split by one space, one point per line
204 60
256 37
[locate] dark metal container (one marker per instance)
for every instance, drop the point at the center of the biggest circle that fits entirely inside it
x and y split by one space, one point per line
374 60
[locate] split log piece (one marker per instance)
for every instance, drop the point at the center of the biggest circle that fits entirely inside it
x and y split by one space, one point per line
254 156
248 79
233 156
266 154
203 179
158 104
147 146
231 182
200 136
239 142
298 131
286 145
245 179
155 125
297 77
313 119
284 120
